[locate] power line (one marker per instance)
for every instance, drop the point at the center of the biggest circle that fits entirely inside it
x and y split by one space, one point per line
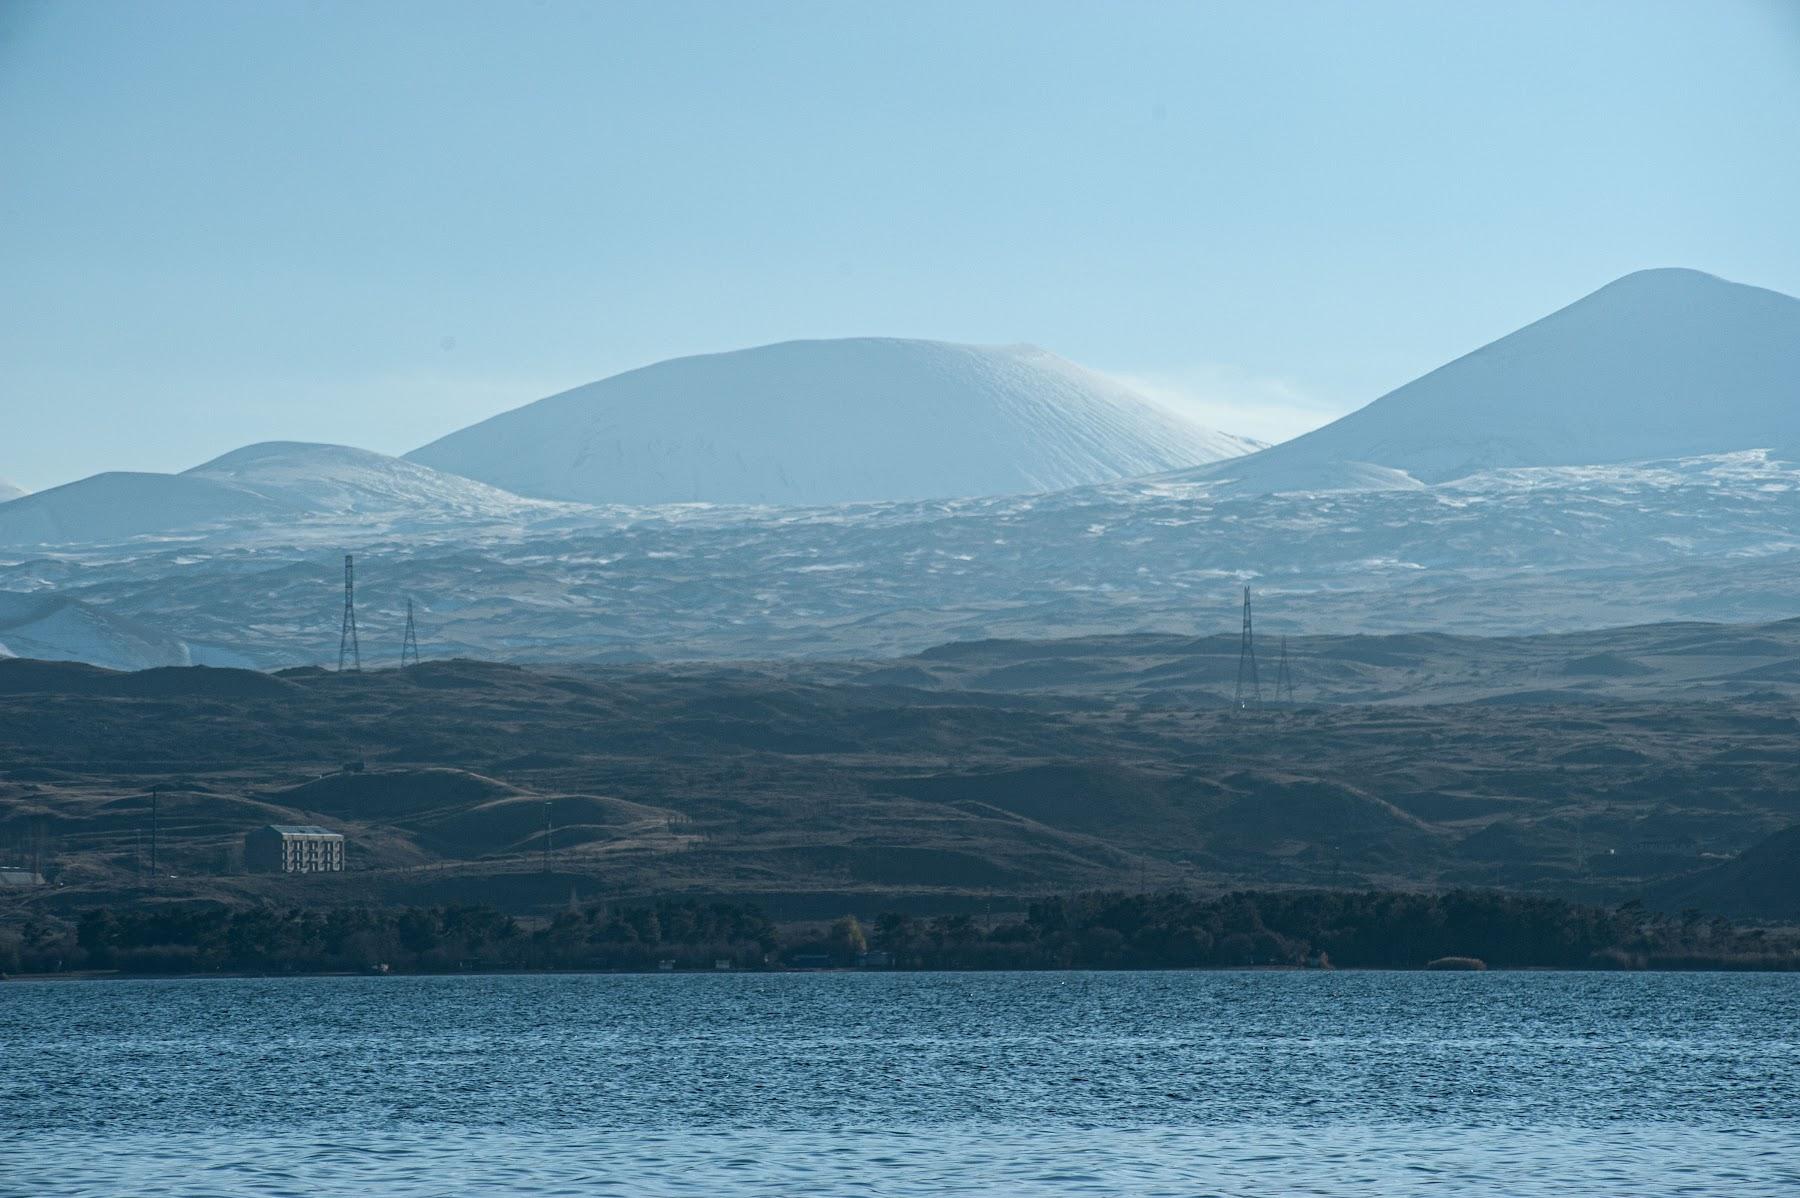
348 649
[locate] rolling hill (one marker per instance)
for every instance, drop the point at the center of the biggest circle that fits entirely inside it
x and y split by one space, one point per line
120 505
268 486
471 782
341 480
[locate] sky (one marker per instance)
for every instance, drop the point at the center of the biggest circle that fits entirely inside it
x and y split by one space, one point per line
376 222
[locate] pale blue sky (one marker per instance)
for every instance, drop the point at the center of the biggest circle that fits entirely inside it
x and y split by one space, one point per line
376 222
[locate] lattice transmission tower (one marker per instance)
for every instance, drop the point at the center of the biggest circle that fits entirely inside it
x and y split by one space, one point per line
1248 696
409 644
549 834
1284 678
348 649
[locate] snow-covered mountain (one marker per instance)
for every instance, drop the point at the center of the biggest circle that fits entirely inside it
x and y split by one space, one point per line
9 491
338 479
811 422
276 488
1429 510
118 505
1661 364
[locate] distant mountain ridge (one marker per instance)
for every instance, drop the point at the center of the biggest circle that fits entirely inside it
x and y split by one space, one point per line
9 491
341 479
1659 364
823 422
264 486
237 561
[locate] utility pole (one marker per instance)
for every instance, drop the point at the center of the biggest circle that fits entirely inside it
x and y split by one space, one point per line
1247 665
348 650
409 644
155 826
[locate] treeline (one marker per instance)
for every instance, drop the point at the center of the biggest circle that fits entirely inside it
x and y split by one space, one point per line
1368 930
210 939
1098 931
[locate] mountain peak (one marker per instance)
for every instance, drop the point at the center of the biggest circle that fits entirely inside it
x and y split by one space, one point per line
1663 363
830 421
319 477
1677 287
1667 276
263 452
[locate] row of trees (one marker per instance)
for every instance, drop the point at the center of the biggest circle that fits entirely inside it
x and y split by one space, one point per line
196 938
1374 929
1096 931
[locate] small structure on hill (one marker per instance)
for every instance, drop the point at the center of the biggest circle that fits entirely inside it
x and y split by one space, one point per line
294 849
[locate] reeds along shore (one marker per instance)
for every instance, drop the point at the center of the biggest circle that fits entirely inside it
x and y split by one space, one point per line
1318 929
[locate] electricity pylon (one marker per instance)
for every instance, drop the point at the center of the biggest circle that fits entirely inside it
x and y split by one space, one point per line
409 644
1247 665
348 650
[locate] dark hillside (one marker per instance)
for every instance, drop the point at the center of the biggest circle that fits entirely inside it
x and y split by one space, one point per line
808 789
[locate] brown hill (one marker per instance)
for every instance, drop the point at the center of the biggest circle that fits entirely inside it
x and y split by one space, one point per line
810 786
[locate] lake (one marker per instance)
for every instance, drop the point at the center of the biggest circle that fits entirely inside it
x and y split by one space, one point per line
899 1084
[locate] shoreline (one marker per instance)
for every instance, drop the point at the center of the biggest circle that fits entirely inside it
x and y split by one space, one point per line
113 975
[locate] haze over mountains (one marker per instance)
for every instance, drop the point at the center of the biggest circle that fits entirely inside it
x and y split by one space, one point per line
1628 459
818 422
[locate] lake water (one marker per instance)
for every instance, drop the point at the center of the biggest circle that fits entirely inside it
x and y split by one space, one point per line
903 1084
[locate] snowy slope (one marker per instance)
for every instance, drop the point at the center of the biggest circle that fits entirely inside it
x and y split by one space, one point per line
119 505
810 422
272 488
342 480
1658 364
9 491
1523 550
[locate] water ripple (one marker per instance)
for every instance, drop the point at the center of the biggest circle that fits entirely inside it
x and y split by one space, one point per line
1172 1083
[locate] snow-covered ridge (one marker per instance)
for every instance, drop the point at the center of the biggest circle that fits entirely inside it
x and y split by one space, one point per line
818 422
340 479
1517 550
271 490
